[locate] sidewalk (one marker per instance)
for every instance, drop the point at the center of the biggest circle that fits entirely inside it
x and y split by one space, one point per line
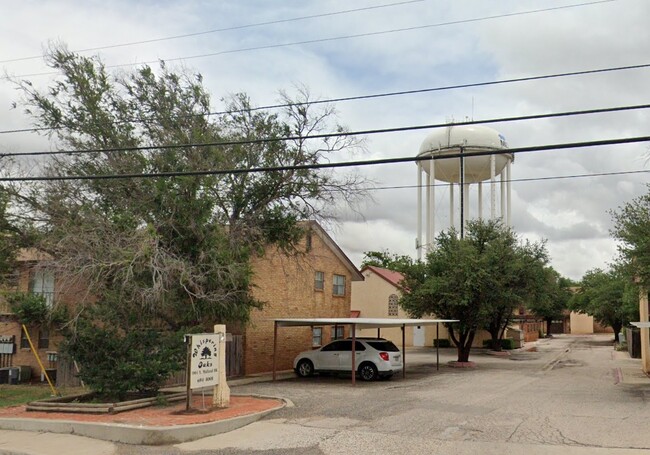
628 370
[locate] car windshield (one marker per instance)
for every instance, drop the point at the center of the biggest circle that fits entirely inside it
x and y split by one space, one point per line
384 345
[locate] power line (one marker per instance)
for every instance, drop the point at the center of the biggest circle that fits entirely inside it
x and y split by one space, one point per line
519 180
342 164
224 29
333 135
389 94
339 38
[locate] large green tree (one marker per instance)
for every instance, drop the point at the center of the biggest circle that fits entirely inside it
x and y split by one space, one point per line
386 260
478 279
171 252
553 298
609 296
632 229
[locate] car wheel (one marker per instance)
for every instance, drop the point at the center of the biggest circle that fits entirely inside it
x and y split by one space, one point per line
305 368
368 371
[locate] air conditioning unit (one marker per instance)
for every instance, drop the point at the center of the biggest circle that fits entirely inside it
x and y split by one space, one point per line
9 375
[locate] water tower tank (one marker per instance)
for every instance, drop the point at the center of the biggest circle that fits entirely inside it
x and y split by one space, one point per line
473 138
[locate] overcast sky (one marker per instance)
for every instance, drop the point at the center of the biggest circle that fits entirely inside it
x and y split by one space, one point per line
450 42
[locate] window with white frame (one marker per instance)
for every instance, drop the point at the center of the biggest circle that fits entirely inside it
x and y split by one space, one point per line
319 281
338 287
392 305
316 336
338 332
42 283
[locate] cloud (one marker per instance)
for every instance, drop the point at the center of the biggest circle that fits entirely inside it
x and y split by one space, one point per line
571 213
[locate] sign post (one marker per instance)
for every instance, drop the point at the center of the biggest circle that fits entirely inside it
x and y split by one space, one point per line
221 394
203 357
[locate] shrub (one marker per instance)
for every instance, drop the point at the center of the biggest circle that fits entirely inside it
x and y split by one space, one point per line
506 343
29 308
114 362
441 343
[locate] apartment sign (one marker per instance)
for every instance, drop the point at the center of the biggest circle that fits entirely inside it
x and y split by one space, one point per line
204 360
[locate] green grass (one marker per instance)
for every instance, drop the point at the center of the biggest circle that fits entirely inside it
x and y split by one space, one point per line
13 395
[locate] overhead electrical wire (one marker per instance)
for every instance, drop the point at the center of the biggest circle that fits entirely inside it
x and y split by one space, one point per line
330 135
518 180
389 94
224 29
339 38
341 164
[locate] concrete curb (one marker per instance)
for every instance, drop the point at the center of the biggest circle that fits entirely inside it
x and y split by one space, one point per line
140 435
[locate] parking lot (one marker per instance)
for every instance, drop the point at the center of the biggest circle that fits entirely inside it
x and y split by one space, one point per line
565 398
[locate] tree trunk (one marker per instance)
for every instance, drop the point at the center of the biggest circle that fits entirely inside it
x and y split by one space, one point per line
465 347
549 322
617 326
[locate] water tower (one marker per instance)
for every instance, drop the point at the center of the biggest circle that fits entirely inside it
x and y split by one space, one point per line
460 173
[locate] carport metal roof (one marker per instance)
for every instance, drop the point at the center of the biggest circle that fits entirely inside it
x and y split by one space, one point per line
362 323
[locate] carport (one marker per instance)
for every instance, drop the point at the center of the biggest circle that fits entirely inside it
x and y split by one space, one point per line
361 323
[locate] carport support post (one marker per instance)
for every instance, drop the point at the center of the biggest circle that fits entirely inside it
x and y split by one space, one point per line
354 351
403 351
275 344
437 346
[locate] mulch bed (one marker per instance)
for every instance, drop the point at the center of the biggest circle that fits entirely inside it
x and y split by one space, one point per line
159 415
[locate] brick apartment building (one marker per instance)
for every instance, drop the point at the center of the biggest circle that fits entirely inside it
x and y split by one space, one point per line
14 346
316 284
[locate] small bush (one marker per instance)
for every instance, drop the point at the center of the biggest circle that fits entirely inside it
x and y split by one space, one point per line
115 362
506 343
441 343
29 308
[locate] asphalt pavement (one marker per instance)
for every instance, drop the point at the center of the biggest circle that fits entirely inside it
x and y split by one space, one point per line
574 395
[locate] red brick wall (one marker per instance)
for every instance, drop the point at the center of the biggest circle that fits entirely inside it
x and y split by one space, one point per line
286 284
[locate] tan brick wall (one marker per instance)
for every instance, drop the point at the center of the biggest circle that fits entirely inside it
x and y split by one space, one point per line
286 285
370 297
9 326
24 356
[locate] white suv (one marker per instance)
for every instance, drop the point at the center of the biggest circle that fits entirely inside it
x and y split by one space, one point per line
374 358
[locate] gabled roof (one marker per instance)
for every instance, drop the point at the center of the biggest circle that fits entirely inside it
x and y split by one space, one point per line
391 276
338 252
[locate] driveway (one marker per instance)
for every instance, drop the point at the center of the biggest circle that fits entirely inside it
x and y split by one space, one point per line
575 395
566 398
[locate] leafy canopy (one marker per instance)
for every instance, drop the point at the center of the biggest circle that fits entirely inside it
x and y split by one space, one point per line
609 296
632 229
159 255
478 279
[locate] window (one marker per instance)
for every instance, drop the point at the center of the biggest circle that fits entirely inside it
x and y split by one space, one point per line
338 332
316 336
24 344
42 283
339 285
319 281
392 305
43 338
308 241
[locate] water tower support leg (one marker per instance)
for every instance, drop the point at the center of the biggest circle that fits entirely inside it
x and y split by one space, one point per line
451 205
509 193
418 245
493 186
428 213
432 193
503 196
480 200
